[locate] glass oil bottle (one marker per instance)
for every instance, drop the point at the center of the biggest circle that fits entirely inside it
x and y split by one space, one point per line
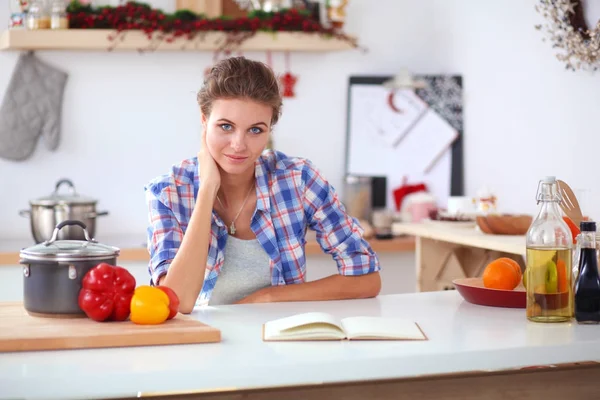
548 273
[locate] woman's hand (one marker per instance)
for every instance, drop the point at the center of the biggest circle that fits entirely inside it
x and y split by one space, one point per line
210 177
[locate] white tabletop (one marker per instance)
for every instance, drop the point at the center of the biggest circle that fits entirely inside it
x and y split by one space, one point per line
462 337
466 236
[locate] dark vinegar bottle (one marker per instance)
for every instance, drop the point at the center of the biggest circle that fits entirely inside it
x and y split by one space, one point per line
587 286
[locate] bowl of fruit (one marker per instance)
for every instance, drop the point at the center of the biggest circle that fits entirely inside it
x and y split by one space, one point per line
500 286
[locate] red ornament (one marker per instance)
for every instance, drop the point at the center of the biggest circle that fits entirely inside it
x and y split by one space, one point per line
288 81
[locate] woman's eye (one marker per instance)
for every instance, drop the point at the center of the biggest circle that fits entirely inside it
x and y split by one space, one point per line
226 127
255 130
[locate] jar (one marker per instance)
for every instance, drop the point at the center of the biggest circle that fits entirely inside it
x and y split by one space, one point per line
37 16
18 14
357 196
58 15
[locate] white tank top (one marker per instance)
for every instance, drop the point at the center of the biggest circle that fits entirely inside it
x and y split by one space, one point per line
245 270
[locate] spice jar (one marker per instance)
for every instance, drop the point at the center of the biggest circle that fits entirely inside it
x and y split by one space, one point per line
18 12
37 16
58 15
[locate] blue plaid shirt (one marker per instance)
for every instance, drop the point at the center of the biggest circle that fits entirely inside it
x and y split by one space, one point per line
292 196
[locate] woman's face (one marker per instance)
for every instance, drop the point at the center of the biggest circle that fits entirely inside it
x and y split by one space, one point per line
237 132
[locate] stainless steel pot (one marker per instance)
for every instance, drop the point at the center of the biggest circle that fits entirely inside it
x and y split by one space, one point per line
47 212
53 270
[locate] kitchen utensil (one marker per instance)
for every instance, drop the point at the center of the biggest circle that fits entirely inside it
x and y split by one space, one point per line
364 194
22 332
569 203
47 212
504 224
53 270
473 291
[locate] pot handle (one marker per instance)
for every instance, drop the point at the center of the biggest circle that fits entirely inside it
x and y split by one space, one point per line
65 181
96 214
25 213
65 223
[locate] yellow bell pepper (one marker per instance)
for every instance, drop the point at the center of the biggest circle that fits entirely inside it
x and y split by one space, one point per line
149 306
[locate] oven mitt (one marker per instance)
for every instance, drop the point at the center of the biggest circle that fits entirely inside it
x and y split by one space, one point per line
31 107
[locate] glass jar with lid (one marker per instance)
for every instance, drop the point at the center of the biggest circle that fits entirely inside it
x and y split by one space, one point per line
18 13
58 15
37 15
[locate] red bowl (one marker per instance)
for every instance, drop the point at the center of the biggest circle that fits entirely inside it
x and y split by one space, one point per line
473 291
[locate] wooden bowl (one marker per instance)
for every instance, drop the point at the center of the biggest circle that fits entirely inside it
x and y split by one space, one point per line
504 224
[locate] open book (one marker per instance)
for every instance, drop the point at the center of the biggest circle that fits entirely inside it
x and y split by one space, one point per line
323 326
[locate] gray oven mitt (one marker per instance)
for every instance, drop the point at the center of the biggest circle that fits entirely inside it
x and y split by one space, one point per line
31 107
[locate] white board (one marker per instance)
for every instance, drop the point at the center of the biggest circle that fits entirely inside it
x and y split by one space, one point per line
405 139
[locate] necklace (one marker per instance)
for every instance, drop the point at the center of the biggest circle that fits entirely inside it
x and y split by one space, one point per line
232 226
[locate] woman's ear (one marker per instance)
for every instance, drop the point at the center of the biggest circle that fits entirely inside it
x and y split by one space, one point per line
203 119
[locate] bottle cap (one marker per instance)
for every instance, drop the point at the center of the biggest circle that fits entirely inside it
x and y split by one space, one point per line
549 179
587 226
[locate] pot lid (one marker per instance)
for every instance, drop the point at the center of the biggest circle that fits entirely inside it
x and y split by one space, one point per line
72 197
69 250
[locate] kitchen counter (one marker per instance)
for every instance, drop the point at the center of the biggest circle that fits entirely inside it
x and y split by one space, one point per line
133 248
446 251
472 351
466 236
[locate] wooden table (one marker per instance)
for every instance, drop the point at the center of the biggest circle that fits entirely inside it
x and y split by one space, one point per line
473 352
445 252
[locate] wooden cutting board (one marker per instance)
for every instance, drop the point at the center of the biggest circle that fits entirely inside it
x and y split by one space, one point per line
20 331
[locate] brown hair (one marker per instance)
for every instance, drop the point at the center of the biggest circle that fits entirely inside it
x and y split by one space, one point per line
238 77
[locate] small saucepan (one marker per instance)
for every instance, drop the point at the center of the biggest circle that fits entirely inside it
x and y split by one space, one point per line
53 270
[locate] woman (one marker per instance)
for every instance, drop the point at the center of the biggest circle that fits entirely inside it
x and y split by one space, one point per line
228 226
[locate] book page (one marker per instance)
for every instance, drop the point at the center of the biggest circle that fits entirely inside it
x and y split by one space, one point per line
381 328
313 325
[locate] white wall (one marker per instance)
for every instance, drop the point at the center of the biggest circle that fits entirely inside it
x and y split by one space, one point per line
127 117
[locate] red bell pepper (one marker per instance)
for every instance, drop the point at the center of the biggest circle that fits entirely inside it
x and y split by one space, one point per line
173 301
106 293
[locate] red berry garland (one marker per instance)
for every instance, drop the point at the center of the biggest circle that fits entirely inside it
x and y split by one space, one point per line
184 23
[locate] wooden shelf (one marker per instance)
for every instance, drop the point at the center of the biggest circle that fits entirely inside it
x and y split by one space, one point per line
98 40
9 253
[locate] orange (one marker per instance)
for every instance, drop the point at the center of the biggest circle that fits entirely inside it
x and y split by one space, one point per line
574 229
502 273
